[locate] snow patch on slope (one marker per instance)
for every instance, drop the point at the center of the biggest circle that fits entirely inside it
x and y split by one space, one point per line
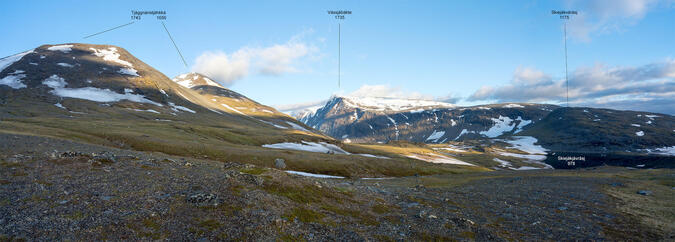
296 126
321 147
13 81
62 48
435 136
232 109
128 71
502 125
111 55
526 144
175 108
186 81
300 173
505 124
434 158
513 105
662 151
464 131
91 93
8 61
65 65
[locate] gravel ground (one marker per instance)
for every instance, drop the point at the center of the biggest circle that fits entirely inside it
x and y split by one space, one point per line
52 189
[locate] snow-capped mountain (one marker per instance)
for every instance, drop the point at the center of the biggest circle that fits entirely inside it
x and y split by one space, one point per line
563 129
369 119
104 81
193 79
227 101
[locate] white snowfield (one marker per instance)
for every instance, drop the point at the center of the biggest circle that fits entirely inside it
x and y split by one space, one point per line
175 108
526 144
146 110
512 105
526 157
391 104
300 173
91 93
434 158
111 55
523 168
503 163
505 124
62 48
435 135
4 63
321 147
13 81
65 65
273 124
506 164
535 155
188 82
464 131
523 123
453 148
640 133
374 156
670 151
296 126
232 109
129 71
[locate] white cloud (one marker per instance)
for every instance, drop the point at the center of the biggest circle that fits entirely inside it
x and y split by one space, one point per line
387 91
619 87
606 16
278 59
300 106
222 67
272 60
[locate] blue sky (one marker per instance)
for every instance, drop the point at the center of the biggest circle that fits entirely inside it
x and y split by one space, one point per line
621 53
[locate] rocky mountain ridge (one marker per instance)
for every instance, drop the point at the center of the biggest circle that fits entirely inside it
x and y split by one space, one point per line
558 128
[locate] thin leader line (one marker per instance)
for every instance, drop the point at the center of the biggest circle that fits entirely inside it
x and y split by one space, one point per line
108 30
174 44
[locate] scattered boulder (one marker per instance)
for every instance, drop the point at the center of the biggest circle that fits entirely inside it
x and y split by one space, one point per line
645 192
462 222
70 154
244 177
231 165
203 199
105 157
412 204
279 163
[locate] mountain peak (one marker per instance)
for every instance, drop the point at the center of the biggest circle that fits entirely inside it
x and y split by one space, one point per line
390 103
194 79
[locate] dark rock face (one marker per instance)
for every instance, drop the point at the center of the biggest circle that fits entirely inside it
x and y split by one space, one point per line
603 130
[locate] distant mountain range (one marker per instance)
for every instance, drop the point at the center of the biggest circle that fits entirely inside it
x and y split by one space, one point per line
359 119
102 94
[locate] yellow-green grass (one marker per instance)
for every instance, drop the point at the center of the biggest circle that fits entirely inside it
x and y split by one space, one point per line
234 142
